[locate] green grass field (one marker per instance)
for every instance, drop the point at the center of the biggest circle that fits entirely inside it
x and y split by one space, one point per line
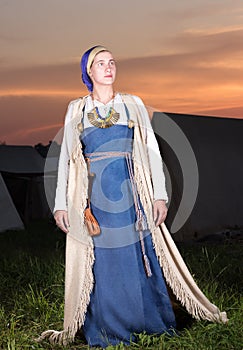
32 290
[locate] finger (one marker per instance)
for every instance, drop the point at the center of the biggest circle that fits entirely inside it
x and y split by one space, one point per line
65 220
63 228
161 217
155 212
63 225
60 221
164 216
158 217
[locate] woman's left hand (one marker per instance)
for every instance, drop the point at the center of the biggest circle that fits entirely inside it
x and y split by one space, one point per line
160 212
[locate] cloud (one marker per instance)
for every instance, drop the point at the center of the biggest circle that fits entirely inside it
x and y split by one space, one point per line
33 135
209 71
203 76
217 41
197 53
44 77
30 120
217 11
236 112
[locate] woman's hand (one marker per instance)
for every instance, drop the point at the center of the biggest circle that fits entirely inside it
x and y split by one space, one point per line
160 212
61 217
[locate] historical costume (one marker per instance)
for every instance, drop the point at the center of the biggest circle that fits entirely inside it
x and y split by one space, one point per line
115 281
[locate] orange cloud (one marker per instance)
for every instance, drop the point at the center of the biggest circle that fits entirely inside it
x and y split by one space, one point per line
43 133
33 93
204 75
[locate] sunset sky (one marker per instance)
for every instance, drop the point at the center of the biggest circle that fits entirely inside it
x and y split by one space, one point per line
178 56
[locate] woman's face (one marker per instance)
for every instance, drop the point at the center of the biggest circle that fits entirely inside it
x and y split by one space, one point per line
103 69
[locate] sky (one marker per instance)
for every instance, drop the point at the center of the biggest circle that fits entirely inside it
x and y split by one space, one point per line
178 56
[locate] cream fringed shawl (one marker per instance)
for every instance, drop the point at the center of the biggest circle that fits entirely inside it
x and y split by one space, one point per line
79 278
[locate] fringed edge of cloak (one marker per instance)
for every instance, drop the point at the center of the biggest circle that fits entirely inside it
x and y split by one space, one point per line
67 335
54 337
175 272
198 310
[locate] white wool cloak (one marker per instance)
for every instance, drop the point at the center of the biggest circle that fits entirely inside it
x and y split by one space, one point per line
79 277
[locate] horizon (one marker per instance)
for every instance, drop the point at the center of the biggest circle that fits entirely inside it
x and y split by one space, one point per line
57 138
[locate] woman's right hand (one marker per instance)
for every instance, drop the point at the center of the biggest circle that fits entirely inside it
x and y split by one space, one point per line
61 218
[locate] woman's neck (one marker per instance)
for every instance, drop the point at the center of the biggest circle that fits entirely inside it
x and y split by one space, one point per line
103 95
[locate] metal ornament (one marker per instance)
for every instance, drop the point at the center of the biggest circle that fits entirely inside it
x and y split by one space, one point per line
97 120
80 127
130 124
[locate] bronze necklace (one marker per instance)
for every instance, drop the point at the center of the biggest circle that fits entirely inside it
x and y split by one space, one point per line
97 120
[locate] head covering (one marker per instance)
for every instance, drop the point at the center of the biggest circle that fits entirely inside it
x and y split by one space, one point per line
86 63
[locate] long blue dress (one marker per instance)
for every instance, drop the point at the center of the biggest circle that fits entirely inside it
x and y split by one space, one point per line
124 301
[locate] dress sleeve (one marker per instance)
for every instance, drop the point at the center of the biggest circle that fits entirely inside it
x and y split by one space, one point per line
63 164
155 159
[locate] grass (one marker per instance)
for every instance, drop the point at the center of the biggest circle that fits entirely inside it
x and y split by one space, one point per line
32 289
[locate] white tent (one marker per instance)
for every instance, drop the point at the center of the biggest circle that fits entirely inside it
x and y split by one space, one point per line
22 180
9 218
217 144
20 160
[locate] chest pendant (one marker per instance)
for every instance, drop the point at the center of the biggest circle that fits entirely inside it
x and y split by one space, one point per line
97 120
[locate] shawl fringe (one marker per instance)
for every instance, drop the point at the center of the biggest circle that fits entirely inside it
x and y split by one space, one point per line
54 337
173 266
180 280
67 335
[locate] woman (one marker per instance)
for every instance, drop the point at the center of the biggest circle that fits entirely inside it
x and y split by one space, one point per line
116 250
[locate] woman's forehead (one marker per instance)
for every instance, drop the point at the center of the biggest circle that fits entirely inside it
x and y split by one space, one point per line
104 55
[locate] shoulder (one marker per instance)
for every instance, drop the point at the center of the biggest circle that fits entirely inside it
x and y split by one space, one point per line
77 101
73 107
132 98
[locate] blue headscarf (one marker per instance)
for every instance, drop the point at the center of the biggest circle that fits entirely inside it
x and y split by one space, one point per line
84 64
